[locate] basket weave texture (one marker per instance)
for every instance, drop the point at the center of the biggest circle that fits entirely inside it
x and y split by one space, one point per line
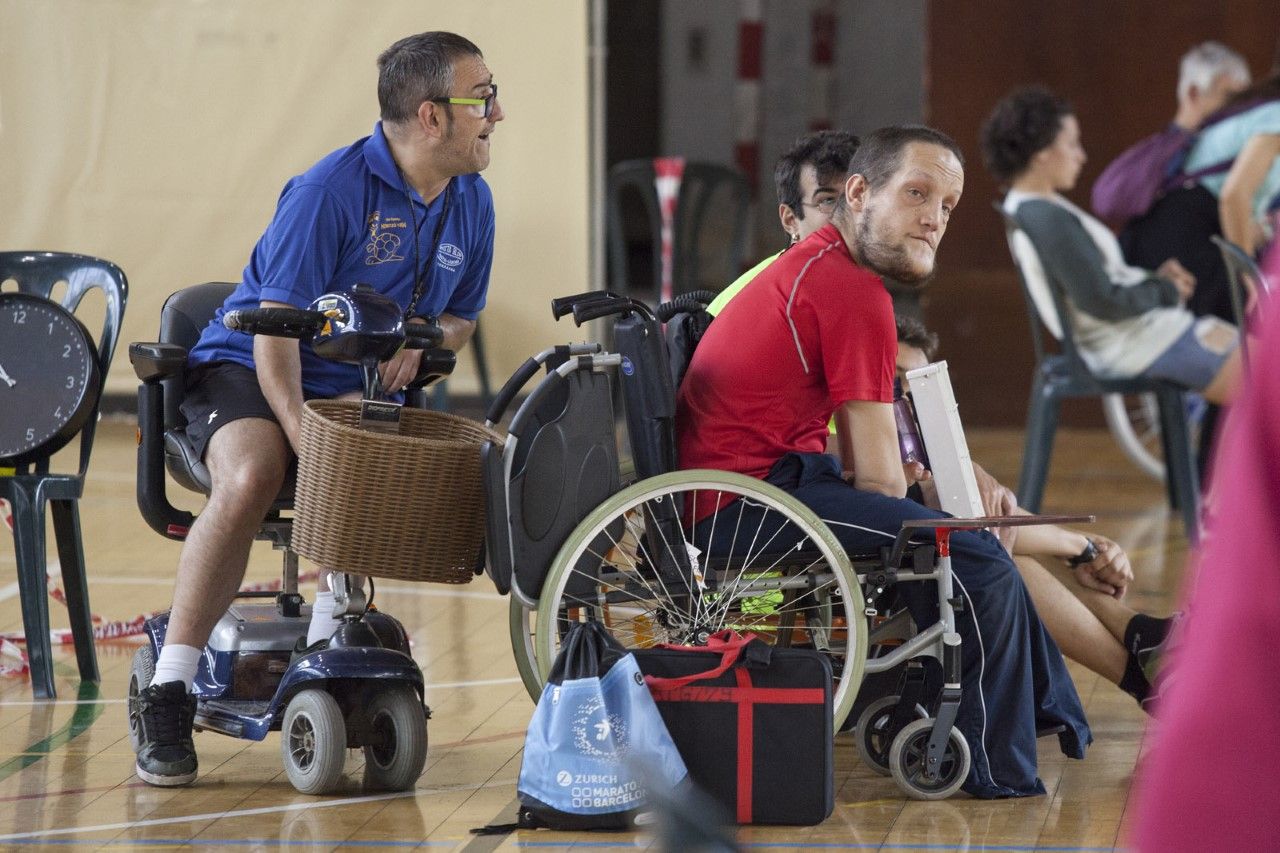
407 506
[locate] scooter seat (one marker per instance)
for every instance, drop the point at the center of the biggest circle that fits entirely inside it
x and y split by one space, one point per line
191 473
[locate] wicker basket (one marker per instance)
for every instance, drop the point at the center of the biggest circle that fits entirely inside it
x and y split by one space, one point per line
407 506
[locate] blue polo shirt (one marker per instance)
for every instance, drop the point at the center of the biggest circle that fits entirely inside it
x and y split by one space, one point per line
346 221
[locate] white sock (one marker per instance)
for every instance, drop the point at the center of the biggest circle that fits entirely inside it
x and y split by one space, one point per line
177 663
322 622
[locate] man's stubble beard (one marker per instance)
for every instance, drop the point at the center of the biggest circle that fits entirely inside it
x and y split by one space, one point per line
886 259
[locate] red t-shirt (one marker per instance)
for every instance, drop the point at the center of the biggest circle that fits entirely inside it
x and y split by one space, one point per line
812 331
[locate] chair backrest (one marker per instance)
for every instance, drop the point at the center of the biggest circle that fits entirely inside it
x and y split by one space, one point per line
560 462
1046 306
39 273
185 314
1242 270
702 191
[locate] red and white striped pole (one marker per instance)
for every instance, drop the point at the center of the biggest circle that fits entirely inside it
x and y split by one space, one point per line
822 77
746 93
668 172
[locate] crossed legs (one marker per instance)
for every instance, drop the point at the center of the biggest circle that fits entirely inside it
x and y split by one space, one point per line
1089 626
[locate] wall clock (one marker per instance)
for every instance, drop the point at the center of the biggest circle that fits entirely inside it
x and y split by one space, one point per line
49 377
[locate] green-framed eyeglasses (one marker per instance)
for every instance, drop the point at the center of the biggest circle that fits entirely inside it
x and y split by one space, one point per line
486 101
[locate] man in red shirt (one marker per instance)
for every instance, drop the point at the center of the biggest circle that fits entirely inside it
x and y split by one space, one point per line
813 336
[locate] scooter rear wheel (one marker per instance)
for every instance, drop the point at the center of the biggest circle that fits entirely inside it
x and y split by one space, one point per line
313 742
140 673
394 759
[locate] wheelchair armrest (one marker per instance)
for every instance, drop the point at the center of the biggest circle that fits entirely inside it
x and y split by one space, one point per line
155 361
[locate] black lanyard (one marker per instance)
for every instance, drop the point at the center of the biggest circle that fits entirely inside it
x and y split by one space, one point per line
420 271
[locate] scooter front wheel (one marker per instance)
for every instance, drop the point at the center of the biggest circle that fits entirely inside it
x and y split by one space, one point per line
396 749
313 742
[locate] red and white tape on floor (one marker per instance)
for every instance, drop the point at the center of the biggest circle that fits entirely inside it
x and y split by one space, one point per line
11 643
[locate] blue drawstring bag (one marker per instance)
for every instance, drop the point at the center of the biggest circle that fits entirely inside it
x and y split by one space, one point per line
595 741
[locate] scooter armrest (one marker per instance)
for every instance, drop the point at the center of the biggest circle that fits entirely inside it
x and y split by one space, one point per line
155 361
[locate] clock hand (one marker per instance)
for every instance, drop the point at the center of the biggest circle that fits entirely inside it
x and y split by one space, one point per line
5 377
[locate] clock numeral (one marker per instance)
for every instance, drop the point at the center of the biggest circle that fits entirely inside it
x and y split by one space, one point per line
51 328
66 350
31 434
57 413
19 316
71 382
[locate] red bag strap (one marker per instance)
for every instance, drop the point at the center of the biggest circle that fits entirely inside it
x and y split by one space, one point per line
728 642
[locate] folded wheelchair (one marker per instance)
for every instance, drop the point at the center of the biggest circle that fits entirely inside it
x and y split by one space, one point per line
573 539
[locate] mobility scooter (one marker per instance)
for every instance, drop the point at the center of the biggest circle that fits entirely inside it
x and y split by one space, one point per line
362 689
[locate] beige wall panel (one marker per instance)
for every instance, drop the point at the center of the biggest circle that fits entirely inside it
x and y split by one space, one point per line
158 134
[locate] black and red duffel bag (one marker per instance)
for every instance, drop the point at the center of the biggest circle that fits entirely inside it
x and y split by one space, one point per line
752 722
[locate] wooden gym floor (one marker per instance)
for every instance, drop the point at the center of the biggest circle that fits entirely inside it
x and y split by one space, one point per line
66 767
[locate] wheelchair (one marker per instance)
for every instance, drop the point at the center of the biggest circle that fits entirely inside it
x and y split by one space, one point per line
363 690
572 538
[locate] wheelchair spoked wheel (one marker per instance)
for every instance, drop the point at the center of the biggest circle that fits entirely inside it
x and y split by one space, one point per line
874 734
313 742
140 673
521 622
908 759
785 578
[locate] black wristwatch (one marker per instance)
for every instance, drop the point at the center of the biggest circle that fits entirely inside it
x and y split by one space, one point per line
1088 555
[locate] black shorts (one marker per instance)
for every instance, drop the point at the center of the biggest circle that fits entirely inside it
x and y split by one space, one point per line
218 393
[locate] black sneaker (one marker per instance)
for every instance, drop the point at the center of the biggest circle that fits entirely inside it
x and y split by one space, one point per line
165 714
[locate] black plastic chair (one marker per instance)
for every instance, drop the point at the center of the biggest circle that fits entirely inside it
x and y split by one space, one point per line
1063 375
699 184
1242 272
33 486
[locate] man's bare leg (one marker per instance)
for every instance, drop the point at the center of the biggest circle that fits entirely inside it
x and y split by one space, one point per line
1083 635
1110 611
247 461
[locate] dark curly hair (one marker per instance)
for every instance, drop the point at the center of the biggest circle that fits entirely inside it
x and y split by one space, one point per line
913 333
828 151
1024 123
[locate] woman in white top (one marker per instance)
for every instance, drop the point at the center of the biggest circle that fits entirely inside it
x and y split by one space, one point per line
1128 321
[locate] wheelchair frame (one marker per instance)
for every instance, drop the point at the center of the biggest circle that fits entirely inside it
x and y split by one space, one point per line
926 756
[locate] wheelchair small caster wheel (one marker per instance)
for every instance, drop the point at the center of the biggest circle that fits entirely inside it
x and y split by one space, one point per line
908 757
140 673
396 746
313 742
873 735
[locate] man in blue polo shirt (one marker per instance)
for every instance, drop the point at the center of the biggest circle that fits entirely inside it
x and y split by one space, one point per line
403 210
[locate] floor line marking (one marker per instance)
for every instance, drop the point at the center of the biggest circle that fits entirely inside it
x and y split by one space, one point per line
423 589
292 807
442 685
81 719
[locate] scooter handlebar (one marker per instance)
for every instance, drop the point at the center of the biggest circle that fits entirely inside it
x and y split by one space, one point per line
426 335
277 322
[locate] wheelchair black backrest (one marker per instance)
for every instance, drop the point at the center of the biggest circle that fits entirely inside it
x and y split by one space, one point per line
648 394
560 462
183 318
687 320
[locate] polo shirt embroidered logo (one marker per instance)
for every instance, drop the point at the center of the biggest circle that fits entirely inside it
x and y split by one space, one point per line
449 256
383 246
